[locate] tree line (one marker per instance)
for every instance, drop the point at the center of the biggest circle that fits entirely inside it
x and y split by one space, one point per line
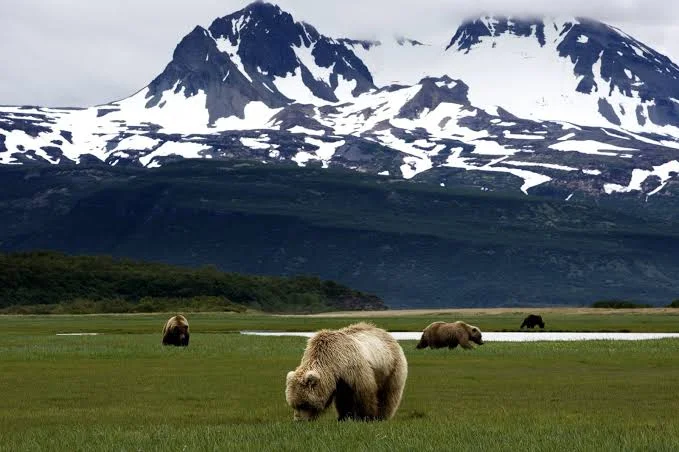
53 282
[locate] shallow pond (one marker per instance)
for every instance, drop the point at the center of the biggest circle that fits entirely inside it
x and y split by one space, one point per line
509 337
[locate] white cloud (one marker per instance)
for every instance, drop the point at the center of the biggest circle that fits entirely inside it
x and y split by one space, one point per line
84 52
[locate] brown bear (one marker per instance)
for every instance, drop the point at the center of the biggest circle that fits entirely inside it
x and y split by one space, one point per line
442 334
361 367
176 331
533 320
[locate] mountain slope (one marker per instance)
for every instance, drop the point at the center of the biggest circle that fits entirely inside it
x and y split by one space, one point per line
575 70
413 245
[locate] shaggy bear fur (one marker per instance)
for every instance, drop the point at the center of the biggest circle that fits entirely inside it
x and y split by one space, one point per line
176 331
361 367
442 334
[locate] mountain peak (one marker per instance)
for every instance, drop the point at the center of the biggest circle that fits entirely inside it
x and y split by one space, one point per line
259 54
258 12
263 7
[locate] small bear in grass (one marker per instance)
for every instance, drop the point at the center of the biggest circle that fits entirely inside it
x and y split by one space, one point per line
533 320
176 331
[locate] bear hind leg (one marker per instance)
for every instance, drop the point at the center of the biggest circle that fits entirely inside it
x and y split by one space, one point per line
391 393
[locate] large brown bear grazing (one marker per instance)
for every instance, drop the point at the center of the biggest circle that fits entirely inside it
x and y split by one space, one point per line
442 334
361 367
176 331
532 320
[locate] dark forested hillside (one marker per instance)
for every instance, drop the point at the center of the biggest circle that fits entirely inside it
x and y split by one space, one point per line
102 283
413 245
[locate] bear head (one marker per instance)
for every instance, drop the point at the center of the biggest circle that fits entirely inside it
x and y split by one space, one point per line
307 394
182 332
475 335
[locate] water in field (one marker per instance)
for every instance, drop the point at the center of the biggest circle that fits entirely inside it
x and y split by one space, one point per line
509 337
77 334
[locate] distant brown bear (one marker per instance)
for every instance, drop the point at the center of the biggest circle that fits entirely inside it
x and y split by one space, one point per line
361 367
532 320
176 331
442 334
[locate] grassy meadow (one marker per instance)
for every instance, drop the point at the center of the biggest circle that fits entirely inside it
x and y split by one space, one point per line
121 390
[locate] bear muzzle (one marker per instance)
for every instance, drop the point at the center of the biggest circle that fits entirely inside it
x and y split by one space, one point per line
305 415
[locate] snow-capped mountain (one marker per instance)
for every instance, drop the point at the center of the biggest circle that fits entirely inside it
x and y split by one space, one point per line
576 70
259 54
571 106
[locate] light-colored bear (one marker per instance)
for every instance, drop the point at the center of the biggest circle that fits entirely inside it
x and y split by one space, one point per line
361 367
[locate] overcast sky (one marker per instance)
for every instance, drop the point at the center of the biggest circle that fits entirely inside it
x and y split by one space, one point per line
84 52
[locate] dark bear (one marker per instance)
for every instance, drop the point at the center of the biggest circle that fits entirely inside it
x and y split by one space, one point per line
176 331
532 320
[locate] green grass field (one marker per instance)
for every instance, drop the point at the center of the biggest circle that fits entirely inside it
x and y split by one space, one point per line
651 320
122 390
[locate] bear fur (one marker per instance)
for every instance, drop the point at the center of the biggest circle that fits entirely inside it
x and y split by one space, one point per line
532 320
361 367
176 331
442 334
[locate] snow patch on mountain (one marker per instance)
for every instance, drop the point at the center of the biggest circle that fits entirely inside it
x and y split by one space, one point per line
385 60
136 142
304 130
256 143
182 149
663 172
530 179
589 147
257 115
368 110
540 165
15 140
323 153
175 112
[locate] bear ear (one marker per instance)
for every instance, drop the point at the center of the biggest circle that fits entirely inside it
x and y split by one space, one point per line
290 376
311 378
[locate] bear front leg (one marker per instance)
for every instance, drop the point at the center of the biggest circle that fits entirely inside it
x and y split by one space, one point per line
464 342
466 345
463 339
358 401
344 401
